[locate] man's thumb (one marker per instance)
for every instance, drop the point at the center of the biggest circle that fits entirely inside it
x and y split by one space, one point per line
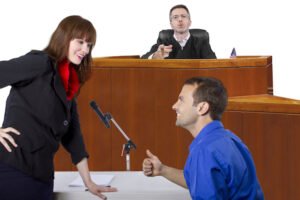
149 154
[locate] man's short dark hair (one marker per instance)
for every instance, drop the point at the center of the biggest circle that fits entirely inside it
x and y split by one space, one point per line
212 91
179 6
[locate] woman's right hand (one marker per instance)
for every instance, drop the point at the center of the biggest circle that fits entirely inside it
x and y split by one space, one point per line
5 137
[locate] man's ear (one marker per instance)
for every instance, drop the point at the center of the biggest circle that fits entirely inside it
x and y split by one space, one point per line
203 108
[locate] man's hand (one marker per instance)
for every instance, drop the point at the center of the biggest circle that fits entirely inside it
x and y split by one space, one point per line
152 165
6 138
162 52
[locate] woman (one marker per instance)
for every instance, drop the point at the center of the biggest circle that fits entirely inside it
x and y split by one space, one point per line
41 112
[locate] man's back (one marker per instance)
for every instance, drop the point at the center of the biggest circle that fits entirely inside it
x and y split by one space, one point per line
219 166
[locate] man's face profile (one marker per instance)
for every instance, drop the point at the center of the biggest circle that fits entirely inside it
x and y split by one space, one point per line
187 113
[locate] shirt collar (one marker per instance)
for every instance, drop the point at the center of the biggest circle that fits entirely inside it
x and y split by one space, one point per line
184 41
209 128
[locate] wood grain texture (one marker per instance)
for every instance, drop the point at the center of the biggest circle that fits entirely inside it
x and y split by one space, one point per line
140 93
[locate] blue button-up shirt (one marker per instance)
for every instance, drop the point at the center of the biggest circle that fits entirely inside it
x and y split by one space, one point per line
220 166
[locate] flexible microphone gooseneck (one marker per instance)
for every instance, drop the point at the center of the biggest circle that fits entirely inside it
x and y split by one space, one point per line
105 118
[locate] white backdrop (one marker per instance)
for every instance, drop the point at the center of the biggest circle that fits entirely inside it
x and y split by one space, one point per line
130 27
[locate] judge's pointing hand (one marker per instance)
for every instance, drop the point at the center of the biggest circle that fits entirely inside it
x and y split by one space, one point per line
162 52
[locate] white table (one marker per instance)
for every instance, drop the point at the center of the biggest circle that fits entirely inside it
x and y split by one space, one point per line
130 185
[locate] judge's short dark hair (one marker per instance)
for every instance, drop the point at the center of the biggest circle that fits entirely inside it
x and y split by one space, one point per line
179 6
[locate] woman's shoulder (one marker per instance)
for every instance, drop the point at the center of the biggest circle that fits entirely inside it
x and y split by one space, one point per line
38 53
33 61
39 58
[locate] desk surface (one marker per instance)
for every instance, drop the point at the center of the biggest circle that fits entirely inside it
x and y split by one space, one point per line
130 185
264 103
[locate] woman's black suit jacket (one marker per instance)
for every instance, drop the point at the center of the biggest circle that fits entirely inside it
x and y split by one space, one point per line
37 106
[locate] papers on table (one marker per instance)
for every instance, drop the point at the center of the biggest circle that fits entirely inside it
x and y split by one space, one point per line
102 179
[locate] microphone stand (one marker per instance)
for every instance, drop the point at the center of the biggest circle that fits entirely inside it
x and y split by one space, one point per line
126 147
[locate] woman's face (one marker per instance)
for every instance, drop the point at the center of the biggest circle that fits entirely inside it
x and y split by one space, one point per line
78 49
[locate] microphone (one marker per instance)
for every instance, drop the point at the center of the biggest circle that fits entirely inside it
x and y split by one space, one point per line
104 118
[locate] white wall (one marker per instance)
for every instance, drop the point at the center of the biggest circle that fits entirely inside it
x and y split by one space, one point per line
257 27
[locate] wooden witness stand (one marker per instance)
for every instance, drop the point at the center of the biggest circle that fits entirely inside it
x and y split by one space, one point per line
140 93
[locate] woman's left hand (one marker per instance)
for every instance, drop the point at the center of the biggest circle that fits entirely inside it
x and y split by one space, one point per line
98 189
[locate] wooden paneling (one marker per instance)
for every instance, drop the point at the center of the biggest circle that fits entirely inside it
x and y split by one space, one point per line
245 61
129 104
291 168
269 127
140 93
97 137
273 140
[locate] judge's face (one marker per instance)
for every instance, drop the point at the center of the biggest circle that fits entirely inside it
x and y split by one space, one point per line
187 113
180 20
78 49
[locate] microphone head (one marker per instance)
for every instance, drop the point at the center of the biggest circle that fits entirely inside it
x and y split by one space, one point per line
104 117
93 104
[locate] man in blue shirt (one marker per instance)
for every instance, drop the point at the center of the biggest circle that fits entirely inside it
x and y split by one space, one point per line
219 164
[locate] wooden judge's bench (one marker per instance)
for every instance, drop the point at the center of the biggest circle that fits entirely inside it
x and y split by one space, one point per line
139 94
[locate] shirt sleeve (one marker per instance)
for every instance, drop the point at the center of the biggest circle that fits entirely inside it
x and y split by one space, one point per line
73 140
205 175
22 69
